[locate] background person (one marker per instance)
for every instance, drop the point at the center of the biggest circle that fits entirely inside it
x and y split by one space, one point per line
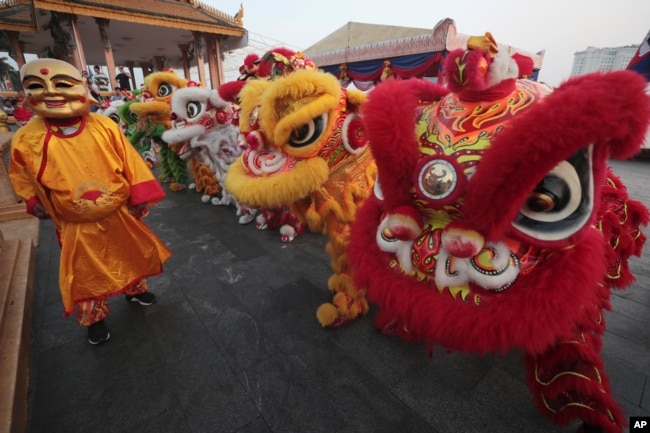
123 78
101 80
97 98
8 106
118 95
22 113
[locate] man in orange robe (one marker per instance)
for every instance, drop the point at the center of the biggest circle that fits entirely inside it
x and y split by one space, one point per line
78 168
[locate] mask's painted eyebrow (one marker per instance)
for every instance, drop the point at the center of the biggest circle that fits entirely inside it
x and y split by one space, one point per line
65 76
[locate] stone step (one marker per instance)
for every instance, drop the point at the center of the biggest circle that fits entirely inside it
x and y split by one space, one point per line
17 273
18 241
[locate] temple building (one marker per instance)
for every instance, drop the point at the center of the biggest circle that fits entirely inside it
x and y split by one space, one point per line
149 34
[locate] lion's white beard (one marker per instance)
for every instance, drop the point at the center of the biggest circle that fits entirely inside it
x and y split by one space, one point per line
217 149
186 133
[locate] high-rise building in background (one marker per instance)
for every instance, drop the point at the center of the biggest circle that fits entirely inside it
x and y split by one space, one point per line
602 59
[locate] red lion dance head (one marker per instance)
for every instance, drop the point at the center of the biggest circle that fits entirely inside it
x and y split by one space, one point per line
496 222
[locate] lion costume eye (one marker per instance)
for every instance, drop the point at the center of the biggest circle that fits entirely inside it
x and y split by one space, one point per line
309 132
556 197
115 118
193 109
561 203
165 89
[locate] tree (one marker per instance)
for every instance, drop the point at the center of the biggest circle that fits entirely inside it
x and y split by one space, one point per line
9 76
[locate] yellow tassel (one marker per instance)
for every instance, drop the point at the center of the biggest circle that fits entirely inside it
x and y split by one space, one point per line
326 314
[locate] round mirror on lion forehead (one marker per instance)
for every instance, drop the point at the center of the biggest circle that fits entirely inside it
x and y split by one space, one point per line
438 179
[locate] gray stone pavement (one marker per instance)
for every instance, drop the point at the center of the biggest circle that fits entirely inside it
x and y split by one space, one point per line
233 345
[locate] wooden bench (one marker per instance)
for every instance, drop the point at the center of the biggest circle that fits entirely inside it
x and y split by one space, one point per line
18 243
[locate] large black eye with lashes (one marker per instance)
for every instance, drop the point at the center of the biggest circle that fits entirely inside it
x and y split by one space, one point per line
309 132
63 85
562 201
193 109
165 89
556 197
35 86
551 195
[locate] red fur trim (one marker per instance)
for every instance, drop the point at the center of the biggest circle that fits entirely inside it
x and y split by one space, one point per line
617 103
393 106
230 91
250 60
405 223
620 220
467 70
555 294
461 241
585 395
525 64
601 109
286 52
267 61
559 299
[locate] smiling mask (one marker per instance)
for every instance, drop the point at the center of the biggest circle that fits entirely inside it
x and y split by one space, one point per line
55 89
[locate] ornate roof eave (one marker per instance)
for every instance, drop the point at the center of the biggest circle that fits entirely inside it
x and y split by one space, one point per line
232 26
20 28
19 16
379 50
418 44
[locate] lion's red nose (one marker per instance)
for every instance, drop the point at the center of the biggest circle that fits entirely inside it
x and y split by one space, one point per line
256 140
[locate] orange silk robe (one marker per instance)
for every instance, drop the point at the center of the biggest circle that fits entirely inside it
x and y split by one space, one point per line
90 176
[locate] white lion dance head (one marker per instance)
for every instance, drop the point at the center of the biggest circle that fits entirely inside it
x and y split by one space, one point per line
204 130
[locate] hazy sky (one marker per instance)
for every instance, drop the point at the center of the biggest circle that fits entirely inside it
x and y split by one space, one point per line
560 27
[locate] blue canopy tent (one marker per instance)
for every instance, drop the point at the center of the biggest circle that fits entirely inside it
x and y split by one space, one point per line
364 54
641 63
641 60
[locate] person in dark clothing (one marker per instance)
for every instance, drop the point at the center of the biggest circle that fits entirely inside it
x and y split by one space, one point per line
123 78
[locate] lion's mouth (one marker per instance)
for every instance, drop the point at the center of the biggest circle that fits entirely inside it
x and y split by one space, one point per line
267 162
472 280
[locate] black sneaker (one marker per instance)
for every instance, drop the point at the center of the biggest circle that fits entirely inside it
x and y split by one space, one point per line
97 333
144 298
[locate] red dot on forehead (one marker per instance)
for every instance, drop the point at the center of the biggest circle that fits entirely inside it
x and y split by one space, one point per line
44 71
